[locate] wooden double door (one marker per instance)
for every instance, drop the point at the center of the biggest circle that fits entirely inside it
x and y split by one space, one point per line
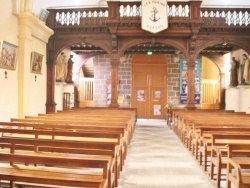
149 87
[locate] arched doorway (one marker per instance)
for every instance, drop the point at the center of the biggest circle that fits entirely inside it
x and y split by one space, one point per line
210 87
79 92
86 84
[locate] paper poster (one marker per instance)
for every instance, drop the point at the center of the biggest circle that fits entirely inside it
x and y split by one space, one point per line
140 95
184 81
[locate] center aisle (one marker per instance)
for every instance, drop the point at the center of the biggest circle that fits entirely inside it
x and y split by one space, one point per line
157 159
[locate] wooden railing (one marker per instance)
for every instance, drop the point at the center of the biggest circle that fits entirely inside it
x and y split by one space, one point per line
132 10
225 17
81 16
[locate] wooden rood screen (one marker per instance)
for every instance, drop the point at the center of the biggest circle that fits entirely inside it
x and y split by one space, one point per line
87 92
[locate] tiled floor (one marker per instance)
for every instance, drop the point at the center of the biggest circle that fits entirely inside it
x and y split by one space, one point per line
157 159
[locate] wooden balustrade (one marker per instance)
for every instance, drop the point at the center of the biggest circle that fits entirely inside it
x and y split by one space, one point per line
99 16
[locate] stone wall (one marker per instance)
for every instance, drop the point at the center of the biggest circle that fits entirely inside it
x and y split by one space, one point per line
125 79
102 70
173 80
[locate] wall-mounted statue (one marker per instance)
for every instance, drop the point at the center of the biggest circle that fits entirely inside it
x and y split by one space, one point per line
245 69
69 70
234 72
60 67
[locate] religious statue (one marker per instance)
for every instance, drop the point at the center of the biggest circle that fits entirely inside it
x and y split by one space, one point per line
234 72
60 67
70 70
245 72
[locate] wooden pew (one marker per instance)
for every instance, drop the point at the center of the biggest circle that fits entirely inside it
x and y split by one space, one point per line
75 127
192 125
129 128
88 147
61 144
195 130
89 118
76 121
238 168
127 114
186 128
219 139
219 152
206 132
51 170
83 149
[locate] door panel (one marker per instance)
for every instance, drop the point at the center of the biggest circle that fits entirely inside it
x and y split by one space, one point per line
140 101
157 94
156 103
149 88
140 79
140 93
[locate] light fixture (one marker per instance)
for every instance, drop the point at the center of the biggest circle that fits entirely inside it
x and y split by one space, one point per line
149 52
43 15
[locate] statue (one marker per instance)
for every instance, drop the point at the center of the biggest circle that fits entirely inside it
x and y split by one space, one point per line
245 72
60 67
234 72
70 70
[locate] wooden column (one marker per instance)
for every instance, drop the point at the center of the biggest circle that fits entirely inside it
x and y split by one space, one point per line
113 9
191 87
76 97
195 8
50 103
114 82
222 91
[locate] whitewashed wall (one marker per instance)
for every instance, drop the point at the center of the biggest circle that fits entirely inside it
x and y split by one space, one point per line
22 92
8 86
237 99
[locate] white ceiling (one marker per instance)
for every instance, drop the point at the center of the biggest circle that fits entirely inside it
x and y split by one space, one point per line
44 4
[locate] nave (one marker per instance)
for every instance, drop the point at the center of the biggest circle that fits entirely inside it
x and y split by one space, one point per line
157 159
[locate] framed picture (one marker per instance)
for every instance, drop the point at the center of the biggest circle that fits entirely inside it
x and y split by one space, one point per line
8 55
36 62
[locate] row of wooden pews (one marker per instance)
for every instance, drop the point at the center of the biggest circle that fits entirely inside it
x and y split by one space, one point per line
81 147
220 142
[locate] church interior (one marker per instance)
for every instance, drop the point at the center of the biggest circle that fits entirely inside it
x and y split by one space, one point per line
126 94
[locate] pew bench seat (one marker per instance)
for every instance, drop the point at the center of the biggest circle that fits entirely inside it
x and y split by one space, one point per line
52 170
220 140
238 172
68 149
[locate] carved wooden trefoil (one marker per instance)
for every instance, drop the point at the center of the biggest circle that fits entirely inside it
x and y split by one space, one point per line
154 15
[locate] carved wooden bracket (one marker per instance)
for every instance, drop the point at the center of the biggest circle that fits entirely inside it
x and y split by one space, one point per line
192 44
114 43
